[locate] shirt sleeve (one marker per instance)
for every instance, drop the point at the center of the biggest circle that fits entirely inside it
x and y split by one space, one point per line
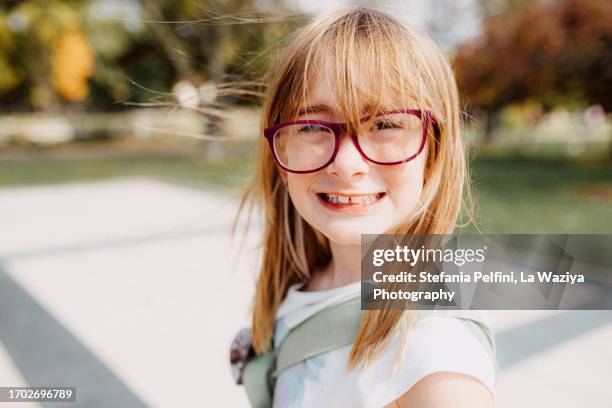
435 344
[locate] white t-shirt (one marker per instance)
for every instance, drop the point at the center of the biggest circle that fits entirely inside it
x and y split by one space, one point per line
435 343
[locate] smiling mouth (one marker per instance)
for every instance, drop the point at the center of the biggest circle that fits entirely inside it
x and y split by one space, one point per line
350 200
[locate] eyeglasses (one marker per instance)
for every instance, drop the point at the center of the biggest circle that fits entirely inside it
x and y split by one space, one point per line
389 138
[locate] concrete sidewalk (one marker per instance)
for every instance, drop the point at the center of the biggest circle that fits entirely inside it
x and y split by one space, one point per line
131 290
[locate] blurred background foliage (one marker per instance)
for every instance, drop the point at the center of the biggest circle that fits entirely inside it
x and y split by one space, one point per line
106 88
555 53
100 52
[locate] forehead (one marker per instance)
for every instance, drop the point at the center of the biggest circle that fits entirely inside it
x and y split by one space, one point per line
323 94
320 96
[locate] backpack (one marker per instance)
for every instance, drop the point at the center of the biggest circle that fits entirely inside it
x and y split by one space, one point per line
330 328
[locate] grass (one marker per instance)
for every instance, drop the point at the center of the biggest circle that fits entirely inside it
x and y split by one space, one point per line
515 194
224 175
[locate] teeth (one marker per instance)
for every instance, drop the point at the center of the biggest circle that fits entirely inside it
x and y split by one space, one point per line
343 199
362 200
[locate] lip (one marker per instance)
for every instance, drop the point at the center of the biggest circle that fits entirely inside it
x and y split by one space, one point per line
353 208
348 194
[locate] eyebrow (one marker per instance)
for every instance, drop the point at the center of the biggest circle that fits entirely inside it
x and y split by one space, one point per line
318 108
322 108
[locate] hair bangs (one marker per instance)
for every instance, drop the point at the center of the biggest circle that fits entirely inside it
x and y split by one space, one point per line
369 63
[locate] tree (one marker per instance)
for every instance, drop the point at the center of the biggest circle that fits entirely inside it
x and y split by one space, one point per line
585 65
138 56
38 38
547 51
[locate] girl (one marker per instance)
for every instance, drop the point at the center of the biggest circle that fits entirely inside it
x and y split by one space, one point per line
362 136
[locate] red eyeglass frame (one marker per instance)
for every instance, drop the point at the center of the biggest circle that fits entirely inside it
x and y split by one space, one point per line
338 128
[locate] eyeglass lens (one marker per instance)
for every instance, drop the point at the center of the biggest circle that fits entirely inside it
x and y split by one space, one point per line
386 139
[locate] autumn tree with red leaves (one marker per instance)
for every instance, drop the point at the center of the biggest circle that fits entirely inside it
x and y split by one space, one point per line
552 52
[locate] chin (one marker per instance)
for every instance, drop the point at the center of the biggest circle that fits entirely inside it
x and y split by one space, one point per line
349 236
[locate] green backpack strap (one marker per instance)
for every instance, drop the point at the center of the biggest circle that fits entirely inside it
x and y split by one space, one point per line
331 328
257 380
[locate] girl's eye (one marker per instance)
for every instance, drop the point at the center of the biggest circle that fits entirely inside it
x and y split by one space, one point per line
386 124
311 129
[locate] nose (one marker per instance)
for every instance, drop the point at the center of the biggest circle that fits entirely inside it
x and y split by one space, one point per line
349 162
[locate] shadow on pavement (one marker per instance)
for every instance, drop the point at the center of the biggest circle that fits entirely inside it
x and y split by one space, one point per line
47 354
521 342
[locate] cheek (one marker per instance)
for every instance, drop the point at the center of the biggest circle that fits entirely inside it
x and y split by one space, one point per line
298 186
406 183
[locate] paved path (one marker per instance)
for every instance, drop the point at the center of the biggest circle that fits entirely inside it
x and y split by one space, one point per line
131 287
132 290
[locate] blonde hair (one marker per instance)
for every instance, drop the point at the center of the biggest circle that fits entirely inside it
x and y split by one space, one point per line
369 57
